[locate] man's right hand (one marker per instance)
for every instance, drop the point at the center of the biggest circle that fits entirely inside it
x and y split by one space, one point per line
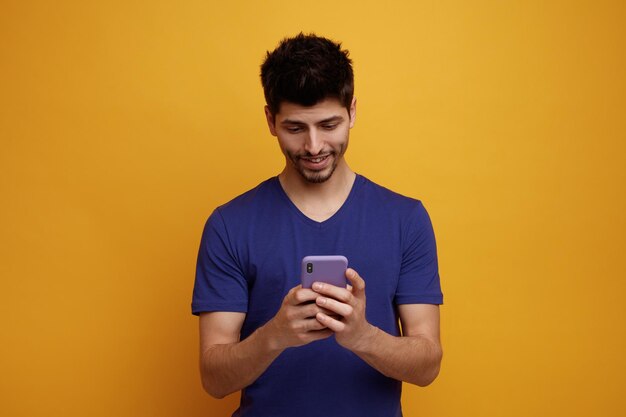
295 323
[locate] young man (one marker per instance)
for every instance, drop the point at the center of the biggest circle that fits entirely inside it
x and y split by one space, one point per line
324 351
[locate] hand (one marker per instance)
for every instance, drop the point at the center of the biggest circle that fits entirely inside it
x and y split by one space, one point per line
351 329
295 324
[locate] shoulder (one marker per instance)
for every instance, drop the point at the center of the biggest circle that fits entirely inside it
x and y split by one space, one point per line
253 200
239 212
406 213
389 200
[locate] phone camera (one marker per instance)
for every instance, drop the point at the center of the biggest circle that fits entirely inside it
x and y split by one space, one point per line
309 267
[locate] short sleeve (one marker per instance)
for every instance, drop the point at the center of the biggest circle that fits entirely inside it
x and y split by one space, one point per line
220 284
419 272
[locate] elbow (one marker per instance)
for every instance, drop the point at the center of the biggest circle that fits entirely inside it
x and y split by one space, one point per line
214 393
213 389
427 378
218 395
431 370
212 384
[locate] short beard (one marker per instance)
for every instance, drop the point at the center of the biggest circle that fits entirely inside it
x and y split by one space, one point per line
315 177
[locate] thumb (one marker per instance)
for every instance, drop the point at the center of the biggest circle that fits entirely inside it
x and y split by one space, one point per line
357 283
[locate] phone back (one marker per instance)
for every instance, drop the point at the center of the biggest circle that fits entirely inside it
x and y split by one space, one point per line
330 269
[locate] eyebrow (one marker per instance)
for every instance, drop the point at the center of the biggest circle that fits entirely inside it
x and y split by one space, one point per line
336 118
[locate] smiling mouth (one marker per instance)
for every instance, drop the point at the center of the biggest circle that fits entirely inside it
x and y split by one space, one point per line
315 159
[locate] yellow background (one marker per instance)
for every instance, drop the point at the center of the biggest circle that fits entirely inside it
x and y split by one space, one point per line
124 123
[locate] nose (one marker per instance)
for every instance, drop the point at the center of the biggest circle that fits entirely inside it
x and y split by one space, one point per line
313 144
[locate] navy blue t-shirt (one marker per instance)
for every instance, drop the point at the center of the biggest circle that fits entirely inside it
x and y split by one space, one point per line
250 257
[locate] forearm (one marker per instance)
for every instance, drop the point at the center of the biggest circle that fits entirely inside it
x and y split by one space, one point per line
228 364
415 359
227 368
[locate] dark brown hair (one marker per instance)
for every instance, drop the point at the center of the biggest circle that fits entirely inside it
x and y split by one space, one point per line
305 70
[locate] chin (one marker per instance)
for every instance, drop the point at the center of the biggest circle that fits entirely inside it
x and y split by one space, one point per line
317 177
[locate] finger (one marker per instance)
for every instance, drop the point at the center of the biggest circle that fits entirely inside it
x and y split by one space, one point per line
312 325
327 312
319 334
358 284
338 293
310 310
344 310
300 295
331 323
314 308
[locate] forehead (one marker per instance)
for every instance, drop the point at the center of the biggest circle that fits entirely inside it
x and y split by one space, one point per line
322 110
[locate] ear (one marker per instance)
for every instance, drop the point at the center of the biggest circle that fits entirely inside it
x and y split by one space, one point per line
352 112
271 121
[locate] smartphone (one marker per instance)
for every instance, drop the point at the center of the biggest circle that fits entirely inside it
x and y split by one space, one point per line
330 269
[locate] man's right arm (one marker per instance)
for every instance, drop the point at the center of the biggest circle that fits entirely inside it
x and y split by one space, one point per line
228 364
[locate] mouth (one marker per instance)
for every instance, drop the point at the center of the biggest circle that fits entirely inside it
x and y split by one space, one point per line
317 159
316 162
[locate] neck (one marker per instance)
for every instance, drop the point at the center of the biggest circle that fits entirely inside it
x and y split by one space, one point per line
318 201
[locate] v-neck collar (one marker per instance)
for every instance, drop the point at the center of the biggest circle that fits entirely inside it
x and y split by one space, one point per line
332 219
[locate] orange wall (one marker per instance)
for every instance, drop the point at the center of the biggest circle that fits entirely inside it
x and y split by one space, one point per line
124 123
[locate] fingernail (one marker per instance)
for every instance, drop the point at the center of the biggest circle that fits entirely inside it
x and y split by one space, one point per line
321 300
317 286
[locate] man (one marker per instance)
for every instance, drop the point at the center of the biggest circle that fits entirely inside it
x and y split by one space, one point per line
325 350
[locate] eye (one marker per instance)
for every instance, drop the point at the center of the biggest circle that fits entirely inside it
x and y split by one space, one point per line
294 129
329 126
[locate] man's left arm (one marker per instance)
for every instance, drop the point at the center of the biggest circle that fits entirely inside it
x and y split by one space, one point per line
414 357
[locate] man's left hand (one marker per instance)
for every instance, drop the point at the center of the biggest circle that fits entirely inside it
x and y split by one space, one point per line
351 328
